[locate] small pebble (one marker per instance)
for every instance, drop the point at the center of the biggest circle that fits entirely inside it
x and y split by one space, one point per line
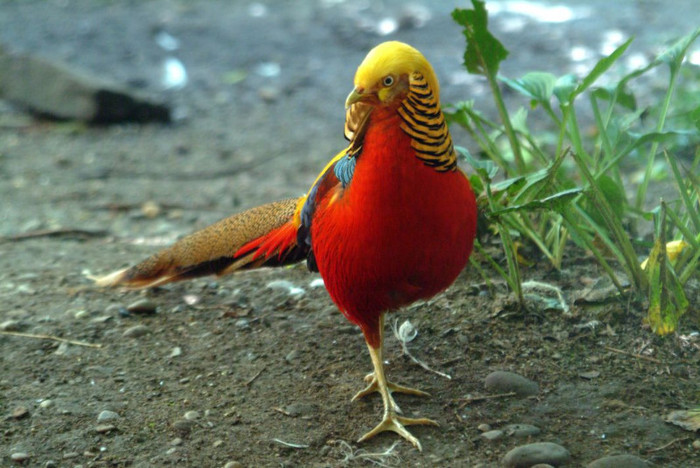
522 430
69 455
102 319
81 314
177 351
191 415
483 427
107 416
492 435
505 382
218 443
292 356
50 464
104 428
171 450
19 457
142 306
696 444
183 426
233 464
11 326
176 441
619 461
20 412
531 454
135 331
300 409
46 403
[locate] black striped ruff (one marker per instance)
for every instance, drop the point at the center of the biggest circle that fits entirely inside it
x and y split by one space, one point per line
424 122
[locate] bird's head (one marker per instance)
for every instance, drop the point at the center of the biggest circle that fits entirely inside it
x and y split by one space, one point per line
384 76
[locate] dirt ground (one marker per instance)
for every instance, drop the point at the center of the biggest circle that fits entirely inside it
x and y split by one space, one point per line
259 368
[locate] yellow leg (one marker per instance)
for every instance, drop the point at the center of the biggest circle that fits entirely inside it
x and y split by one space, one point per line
391 421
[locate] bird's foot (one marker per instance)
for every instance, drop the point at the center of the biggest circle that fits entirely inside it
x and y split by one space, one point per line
395 423
393 388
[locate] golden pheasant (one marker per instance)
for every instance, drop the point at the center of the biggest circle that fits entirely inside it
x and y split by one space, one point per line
390 220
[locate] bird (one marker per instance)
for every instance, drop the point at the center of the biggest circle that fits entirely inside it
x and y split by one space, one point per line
390 220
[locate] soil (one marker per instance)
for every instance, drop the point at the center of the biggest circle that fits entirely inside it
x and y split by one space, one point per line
246 368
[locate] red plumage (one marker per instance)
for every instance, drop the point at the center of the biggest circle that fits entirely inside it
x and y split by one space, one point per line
400 232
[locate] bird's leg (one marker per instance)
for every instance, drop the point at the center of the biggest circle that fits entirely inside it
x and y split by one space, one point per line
371 378
391 421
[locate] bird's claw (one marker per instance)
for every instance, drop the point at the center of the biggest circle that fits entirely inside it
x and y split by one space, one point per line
395 423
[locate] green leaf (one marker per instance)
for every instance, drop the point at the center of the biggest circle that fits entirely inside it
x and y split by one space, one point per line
535 85
623 97
553 202
601 67
484 52
673 56
614 193
564 88
486 168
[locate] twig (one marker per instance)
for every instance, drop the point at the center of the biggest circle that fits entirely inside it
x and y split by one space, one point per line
289 444
54 233
280 410
53 338
665 446
627 353
252 379
466 401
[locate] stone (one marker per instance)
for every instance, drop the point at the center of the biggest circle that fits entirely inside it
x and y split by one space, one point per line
104 428
506 382
136 331
107 416
525 456
619 461
521 430
492 435
142 306
19 457
56 90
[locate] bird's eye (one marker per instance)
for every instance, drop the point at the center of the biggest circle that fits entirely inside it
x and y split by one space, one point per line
388 80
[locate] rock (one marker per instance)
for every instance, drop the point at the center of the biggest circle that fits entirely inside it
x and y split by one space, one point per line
483 427
505 382
300 409
46 404
492 435
531 454
233 464
135 331
177 351
104 428
619 461
192 415
176 441
56 90
20 412
521 430
183 426
19 457
50 464
11 325
142 306
107 416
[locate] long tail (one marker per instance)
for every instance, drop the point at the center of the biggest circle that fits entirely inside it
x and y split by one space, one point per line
261 236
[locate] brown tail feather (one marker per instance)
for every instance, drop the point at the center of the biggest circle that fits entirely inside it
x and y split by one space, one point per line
213 250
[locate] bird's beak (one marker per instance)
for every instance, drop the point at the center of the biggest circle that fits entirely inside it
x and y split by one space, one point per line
355 95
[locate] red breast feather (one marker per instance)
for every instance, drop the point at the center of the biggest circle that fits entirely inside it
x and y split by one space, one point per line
401 231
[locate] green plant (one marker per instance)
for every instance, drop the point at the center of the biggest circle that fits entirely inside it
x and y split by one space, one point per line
570 188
